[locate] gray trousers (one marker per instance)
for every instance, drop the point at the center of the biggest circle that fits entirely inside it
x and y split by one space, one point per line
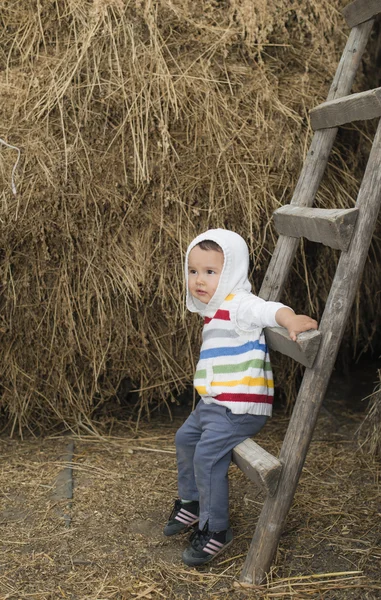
204 445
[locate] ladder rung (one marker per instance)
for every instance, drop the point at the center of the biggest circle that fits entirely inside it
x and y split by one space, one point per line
359 11
355 107
304 350
258 465
332 227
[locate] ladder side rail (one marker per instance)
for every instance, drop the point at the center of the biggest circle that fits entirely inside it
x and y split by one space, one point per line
315 380
315 162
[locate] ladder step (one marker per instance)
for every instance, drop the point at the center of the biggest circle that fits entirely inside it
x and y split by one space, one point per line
331 227
355 107
258 465
304 350
359 11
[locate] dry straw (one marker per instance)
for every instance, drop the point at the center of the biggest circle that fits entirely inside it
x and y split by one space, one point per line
115 548
140 124
370 429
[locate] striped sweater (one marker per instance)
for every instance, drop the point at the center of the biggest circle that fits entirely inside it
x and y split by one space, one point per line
234 366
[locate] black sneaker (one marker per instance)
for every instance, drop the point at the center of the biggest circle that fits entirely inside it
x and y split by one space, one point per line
183 516
205 545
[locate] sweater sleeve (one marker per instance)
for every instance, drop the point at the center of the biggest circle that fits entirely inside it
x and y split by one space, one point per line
253 312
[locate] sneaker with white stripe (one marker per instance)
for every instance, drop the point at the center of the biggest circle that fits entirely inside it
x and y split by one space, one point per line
205 545
183 516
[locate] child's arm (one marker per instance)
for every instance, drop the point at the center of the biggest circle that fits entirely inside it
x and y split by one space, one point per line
294 323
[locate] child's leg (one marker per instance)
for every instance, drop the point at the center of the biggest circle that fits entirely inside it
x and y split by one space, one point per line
186 440
222 431
185 514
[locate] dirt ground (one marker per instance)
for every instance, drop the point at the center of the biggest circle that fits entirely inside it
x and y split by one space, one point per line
108 543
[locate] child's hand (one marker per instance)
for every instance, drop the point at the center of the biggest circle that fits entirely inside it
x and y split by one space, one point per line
300 323
294 324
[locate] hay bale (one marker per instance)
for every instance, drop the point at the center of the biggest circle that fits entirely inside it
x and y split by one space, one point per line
370 429
141 124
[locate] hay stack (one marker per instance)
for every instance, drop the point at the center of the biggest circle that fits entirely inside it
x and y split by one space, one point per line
140 124
370 429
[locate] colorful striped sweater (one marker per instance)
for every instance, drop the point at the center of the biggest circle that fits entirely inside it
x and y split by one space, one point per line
234 366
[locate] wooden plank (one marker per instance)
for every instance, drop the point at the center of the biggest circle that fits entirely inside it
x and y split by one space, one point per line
304 350
332 227
315 380
359 11
63 489
315 163
356 107
259 466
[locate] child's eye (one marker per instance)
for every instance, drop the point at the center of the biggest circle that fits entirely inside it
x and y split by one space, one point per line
192 271
211 272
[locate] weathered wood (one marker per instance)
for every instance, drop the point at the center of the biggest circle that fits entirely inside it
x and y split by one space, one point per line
332 227
360 10
315 163
315 380
259 466
304 350
63 489
356 107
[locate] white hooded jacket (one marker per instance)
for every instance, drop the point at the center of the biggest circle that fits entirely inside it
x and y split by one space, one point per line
234 367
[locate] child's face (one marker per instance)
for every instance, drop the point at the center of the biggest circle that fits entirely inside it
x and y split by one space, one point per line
204 271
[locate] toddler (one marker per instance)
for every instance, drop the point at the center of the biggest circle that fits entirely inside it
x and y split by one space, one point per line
235 382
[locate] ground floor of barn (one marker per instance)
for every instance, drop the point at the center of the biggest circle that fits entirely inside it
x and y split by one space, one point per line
107 543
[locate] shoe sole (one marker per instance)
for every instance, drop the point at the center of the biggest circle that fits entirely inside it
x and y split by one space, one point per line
209 559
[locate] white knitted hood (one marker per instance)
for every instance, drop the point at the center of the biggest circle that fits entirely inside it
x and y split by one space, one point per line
234 272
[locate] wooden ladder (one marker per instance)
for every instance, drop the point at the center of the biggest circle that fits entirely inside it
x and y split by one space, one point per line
349 230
